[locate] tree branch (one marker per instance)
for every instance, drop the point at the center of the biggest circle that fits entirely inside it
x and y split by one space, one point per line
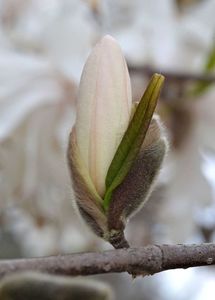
145 260
171 75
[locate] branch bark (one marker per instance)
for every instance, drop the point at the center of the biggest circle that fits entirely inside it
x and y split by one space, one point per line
171 75
145 260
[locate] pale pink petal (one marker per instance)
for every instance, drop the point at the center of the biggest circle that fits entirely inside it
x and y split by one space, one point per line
104 108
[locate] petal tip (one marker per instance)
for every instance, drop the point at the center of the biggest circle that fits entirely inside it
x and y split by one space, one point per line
108 39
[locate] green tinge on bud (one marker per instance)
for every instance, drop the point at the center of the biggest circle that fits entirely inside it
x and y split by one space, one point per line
88 201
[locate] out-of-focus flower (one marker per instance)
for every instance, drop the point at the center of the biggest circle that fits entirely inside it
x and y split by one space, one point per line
113 164
39 67
51 286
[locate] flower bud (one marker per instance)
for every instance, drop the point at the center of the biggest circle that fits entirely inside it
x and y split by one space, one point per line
115 151
103 109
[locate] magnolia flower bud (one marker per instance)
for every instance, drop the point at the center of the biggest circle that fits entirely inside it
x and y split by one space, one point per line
103 109
113 159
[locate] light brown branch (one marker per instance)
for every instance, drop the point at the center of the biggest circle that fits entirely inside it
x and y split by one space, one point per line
145 260
171 75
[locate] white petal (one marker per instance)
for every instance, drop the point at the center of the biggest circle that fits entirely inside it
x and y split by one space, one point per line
104 108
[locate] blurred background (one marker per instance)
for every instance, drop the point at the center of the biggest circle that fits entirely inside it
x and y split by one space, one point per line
43 46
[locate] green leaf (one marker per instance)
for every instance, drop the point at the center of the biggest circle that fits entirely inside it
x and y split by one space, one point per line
133 137
202 86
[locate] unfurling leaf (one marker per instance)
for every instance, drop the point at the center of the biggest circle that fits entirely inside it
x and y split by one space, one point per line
134 191
133 137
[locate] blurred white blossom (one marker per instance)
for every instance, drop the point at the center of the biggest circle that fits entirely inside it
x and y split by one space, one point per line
42 51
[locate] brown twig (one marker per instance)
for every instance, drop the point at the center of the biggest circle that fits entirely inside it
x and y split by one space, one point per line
179 76
145 260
